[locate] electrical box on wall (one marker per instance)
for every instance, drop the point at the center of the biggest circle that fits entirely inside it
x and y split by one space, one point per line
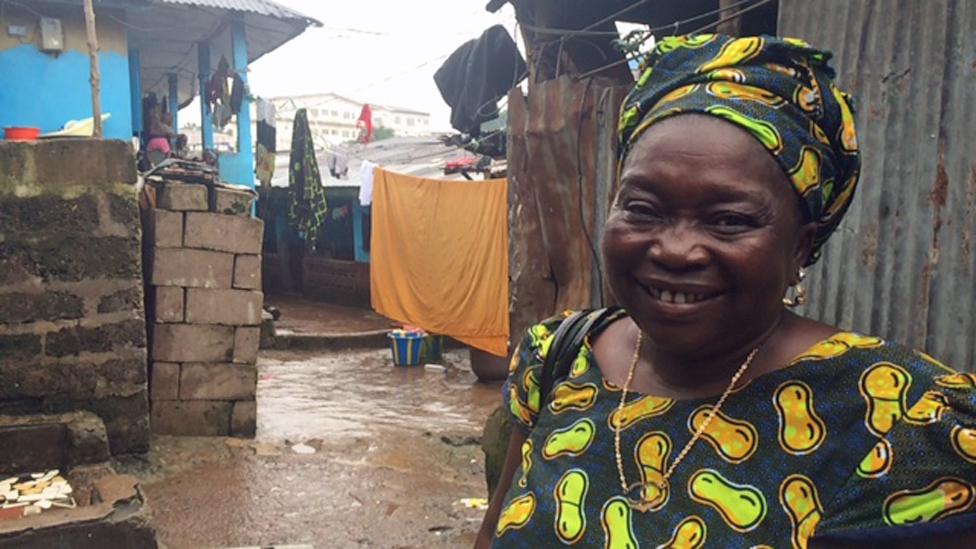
52 35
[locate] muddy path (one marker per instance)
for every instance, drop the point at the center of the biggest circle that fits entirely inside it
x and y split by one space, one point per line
395 450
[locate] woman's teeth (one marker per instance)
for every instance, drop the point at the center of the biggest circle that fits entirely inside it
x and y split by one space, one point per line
680 298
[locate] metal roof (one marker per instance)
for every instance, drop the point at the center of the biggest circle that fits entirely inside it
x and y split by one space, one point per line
259 7
902 263
166 34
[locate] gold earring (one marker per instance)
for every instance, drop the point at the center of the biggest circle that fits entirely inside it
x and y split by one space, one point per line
799 294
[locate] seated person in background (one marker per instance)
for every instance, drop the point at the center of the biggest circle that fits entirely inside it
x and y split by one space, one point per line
160 132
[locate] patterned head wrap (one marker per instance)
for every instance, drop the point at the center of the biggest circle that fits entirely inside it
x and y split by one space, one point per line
780 90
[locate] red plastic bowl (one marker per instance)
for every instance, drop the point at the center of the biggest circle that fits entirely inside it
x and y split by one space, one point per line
21 134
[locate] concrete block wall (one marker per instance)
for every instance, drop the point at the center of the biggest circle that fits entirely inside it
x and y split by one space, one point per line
204 303
72 323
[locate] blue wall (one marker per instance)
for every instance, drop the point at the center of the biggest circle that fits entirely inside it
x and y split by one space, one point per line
45 91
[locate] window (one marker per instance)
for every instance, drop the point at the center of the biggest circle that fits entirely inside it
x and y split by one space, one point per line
396 120
410 121
315 112
335 114
347 115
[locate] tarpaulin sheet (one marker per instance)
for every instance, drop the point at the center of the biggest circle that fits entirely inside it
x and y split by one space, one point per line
439 257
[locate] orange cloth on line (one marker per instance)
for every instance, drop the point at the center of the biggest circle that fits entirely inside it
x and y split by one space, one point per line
439 257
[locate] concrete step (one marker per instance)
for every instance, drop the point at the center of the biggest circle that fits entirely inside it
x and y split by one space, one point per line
30 443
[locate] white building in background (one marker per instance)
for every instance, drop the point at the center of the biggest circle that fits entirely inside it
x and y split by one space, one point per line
332 118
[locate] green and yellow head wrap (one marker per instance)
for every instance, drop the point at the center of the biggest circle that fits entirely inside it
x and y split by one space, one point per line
780 90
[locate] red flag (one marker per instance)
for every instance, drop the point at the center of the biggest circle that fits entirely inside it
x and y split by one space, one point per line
365 124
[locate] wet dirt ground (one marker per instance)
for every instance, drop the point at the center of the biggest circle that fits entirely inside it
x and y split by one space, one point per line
395 451
301 316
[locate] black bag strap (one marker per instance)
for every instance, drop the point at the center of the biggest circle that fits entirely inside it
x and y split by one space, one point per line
566 344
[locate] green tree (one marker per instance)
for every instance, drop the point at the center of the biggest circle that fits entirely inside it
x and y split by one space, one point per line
382 133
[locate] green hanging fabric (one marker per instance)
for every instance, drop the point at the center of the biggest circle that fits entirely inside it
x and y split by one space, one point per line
308 205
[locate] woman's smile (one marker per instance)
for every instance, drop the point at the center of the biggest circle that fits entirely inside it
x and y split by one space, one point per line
672 299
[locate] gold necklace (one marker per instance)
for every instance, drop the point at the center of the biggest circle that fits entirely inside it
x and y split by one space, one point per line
662 486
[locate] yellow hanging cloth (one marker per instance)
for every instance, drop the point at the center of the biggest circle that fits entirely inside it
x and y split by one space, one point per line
439 257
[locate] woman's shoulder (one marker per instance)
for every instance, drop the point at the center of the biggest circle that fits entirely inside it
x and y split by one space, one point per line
865 352
880 368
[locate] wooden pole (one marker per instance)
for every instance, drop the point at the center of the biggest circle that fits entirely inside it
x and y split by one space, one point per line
732 27
95 79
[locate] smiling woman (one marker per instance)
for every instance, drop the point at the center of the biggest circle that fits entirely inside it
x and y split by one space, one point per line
712 411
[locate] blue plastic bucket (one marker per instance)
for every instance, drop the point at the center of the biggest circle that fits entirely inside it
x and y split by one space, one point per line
406 348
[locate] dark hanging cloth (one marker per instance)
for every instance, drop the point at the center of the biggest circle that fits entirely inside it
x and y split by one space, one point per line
308 205
237 94
266 141
477 75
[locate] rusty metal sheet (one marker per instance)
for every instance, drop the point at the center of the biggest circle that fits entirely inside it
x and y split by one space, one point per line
561 178
902 264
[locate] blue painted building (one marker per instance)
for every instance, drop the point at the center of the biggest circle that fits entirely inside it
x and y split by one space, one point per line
167 48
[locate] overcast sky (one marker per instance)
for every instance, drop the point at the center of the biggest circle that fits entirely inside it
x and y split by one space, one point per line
376 51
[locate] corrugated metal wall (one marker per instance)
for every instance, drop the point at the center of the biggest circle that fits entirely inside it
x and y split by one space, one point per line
902 265
561 173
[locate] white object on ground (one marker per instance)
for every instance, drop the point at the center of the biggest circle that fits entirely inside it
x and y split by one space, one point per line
474 503
302 449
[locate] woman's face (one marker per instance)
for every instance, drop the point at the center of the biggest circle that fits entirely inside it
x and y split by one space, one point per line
704 237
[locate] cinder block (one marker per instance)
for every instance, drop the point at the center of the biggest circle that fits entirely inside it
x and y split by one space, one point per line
223 233
74 340
183 197
234 201
129 299
17 308
191 268
228 307
218 381
18 348
168 303
206 418
192 343
165 228
244 419
247 272
164 381
246 342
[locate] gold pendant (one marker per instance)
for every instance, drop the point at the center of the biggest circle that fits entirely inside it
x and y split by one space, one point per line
653 496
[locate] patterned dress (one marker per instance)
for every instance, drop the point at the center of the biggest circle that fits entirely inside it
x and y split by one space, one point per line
857 440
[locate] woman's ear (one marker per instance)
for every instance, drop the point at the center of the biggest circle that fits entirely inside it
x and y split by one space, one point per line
804 247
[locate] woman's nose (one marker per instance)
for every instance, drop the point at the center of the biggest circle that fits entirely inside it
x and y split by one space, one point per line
678 248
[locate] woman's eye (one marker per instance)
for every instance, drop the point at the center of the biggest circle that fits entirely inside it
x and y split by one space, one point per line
733 221
642 209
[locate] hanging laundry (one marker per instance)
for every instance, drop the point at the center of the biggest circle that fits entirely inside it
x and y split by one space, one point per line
365 124
477 75
266 141
439 257
338 165
219 94
238 90
366 182
308 206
